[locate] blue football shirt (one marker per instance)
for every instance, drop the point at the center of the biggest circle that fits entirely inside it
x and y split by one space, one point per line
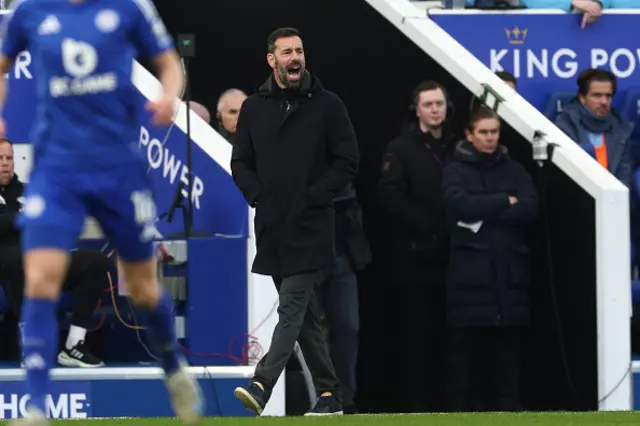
82 54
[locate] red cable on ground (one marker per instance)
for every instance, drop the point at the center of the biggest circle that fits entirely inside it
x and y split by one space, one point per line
250 351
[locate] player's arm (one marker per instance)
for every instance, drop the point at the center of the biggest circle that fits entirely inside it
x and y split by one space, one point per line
5 67
152 41
14 40
169 69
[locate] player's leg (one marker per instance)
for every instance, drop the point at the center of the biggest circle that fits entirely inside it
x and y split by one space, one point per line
155 306
51 222
127 216
129 232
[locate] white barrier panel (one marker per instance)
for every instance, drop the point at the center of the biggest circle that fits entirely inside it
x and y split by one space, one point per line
23 158
613 278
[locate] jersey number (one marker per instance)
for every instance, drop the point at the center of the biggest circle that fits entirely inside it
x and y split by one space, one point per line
143 206
79 59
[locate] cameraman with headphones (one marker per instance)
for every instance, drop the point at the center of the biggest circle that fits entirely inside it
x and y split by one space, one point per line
410 192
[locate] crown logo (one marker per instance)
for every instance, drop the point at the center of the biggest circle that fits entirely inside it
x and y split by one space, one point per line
516 35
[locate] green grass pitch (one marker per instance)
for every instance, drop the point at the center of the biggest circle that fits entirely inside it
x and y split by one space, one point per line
479 419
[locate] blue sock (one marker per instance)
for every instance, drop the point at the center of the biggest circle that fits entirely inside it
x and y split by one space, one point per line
160 325
39 345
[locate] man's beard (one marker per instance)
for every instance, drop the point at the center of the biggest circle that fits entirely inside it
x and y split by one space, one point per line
283 76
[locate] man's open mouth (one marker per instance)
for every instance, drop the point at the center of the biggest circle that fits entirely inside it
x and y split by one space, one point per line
293 72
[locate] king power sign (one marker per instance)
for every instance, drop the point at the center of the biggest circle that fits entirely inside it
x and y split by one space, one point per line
563 62
548 51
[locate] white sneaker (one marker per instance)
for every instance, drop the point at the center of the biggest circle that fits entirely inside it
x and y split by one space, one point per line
34 417
185 394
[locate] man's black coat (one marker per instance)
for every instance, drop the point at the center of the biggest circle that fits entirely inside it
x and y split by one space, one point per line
294 151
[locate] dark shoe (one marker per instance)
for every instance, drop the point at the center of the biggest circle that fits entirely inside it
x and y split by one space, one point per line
79 356
326 406
252 397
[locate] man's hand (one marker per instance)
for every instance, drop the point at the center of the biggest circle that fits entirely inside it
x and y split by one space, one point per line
163 111
512 199
592 11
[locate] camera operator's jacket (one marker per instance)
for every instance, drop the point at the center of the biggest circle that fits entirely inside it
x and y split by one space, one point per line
294 151
10 205
410 192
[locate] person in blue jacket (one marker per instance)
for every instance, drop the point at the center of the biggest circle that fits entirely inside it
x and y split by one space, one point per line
590 121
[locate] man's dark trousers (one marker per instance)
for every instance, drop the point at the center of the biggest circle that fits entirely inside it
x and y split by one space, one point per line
299 320
339 298
86 278
483 368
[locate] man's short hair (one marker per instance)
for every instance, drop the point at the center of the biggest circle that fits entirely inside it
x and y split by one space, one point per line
482 112
6 140
588 76
426 86
226 93
278 34
508 77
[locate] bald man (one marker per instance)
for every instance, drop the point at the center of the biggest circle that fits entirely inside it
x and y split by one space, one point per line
228 109
201 111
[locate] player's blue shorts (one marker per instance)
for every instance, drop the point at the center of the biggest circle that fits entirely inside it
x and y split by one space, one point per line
119 198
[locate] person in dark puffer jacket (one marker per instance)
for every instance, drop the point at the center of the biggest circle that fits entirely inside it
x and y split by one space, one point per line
491 202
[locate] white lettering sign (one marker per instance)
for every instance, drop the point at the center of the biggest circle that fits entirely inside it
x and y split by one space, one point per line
65 406
564 63
66 86
160 157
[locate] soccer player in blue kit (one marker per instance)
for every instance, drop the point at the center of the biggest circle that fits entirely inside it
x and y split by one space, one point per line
87 162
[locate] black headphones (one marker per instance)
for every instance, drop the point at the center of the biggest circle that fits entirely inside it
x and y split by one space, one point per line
425 86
